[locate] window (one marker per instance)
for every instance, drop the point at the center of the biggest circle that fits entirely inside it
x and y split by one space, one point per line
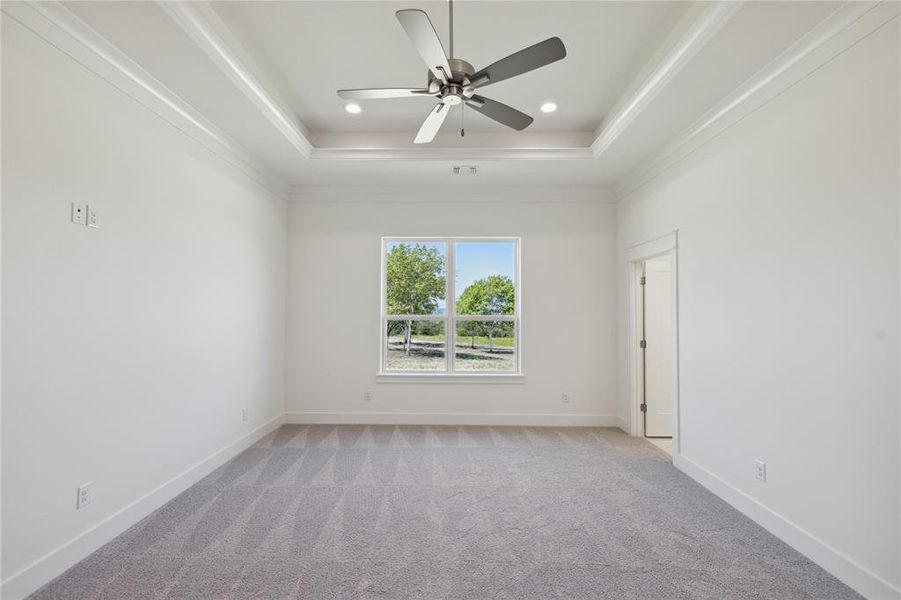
450 306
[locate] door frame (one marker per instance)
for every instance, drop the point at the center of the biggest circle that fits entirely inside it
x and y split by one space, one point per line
635 256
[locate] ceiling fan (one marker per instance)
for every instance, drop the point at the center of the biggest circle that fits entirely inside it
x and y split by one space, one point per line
454 81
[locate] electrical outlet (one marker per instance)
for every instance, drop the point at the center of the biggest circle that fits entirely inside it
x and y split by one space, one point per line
78 213
367 396
93 216
84 496
564 397
243 414
760 467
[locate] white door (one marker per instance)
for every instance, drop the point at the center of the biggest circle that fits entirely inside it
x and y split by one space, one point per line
658 335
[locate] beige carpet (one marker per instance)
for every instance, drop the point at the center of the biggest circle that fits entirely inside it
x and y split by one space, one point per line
447 512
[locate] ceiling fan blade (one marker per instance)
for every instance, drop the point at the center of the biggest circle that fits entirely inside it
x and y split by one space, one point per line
528 59
500 112
380 93
432 124
422 33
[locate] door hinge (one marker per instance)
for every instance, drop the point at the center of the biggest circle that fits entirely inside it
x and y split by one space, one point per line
642 280
643 344
644 407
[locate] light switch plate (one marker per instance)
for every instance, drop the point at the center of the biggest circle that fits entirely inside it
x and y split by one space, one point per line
79 214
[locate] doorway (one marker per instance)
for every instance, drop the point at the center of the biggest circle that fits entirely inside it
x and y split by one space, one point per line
656 346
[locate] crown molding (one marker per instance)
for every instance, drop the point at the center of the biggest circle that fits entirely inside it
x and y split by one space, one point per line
850 22
451 139
843 28
431 153
451 193
59 27
201 23
692 33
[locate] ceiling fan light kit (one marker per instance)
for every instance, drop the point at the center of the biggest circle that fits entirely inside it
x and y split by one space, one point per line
453 81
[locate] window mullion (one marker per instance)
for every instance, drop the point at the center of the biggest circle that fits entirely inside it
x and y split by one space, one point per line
450 318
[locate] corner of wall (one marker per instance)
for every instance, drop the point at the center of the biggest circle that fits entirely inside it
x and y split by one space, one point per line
58 560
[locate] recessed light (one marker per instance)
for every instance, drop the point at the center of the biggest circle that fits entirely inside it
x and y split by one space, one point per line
353 109
548 107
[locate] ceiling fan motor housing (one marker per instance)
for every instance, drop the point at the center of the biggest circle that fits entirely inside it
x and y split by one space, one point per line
451 93
460 73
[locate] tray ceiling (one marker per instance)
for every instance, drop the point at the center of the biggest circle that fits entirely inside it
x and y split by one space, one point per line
259 79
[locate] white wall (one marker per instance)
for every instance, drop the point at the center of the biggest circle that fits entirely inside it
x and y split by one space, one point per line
567 309
129 351
789 311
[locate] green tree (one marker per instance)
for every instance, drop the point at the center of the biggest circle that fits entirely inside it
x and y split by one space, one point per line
415 283
493 295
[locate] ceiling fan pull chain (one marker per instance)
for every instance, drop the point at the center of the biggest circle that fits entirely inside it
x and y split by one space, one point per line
462 120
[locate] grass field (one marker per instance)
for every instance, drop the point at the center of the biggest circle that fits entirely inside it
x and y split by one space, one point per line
427 354
461 340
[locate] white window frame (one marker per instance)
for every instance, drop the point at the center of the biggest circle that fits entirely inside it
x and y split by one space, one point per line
450 318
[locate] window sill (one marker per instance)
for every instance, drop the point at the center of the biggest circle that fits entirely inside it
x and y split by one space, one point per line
494 378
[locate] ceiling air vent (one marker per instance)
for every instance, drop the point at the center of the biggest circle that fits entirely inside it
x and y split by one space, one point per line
466 170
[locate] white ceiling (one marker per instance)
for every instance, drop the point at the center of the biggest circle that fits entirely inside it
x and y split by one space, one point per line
760 32
319 47
301 52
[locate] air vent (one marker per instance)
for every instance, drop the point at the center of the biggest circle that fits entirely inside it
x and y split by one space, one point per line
466 170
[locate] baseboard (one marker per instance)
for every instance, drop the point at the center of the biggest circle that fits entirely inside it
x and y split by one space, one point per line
835 562
57 561
436 418
53 564
623 424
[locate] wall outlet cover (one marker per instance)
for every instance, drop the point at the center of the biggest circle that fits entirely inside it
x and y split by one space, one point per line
93 217
84 496
760 470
